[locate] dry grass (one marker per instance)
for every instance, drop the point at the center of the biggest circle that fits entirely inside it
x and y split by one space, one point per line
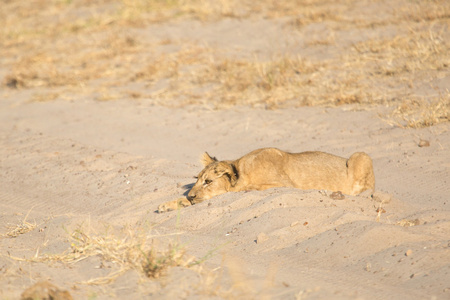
74 49
23 227
269 83
419 113
417 50
126 251
408 223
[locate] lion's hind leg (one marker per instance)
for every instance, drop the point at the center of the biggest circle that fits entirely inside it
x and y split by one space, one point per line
173 205
360 172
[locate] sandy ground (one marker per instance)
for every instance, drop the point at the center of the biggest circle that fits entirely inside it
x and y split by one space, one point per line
81 176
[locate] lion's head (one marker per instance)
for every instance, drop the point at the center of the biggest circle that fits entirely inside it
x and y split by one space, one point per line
215 179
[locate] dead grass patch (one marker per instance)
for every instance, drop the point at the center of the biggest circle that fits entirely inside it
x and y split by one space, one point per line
408 223
415 51
142 12
22 228
237 82
316 15
109 57
127 251
418 113
426 11
18 229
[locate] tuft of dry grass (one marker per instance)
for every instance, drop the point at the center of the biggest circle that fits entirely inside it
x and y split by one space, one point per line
129 251
419 113
23 227
408 223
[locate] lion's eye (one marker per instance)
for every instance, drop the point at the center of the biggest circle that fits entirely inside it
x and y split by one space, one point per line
207 181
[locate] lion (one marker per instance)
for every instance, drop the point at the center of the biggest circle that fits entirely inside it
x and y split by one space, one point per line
268 168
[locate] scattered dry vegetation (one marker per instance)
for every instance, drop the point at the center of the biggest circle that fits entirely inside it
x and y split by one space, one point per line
23 227
408 223
417 113
132 249
72 49
127 250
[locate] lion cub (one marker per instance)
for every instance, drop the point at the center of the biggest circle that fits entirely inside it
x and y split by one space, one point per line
270 167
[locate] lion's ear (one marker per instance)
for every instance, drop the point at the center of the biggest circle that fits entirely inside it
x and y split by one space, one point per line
206 159
229 170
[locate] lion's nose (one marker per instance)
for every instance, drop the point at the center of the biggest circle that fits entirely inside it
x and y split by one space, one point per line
190 197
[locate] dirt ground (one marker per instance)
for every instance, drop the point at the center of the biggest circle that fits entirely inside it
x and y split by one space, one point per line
107 106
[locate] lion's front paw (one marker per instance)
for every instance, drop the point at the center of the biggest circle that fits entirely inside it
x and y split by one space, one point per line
173 205
165 207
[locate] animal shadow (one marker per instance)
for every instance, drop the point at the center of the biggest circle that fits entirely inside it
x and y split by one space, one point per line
188 188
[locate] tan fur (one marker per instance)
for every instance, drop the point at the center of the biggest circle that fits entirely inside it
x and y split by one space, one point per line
269 167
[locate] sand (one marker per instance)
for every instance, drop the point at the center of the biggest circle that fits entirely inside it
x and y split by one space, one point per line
80 178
